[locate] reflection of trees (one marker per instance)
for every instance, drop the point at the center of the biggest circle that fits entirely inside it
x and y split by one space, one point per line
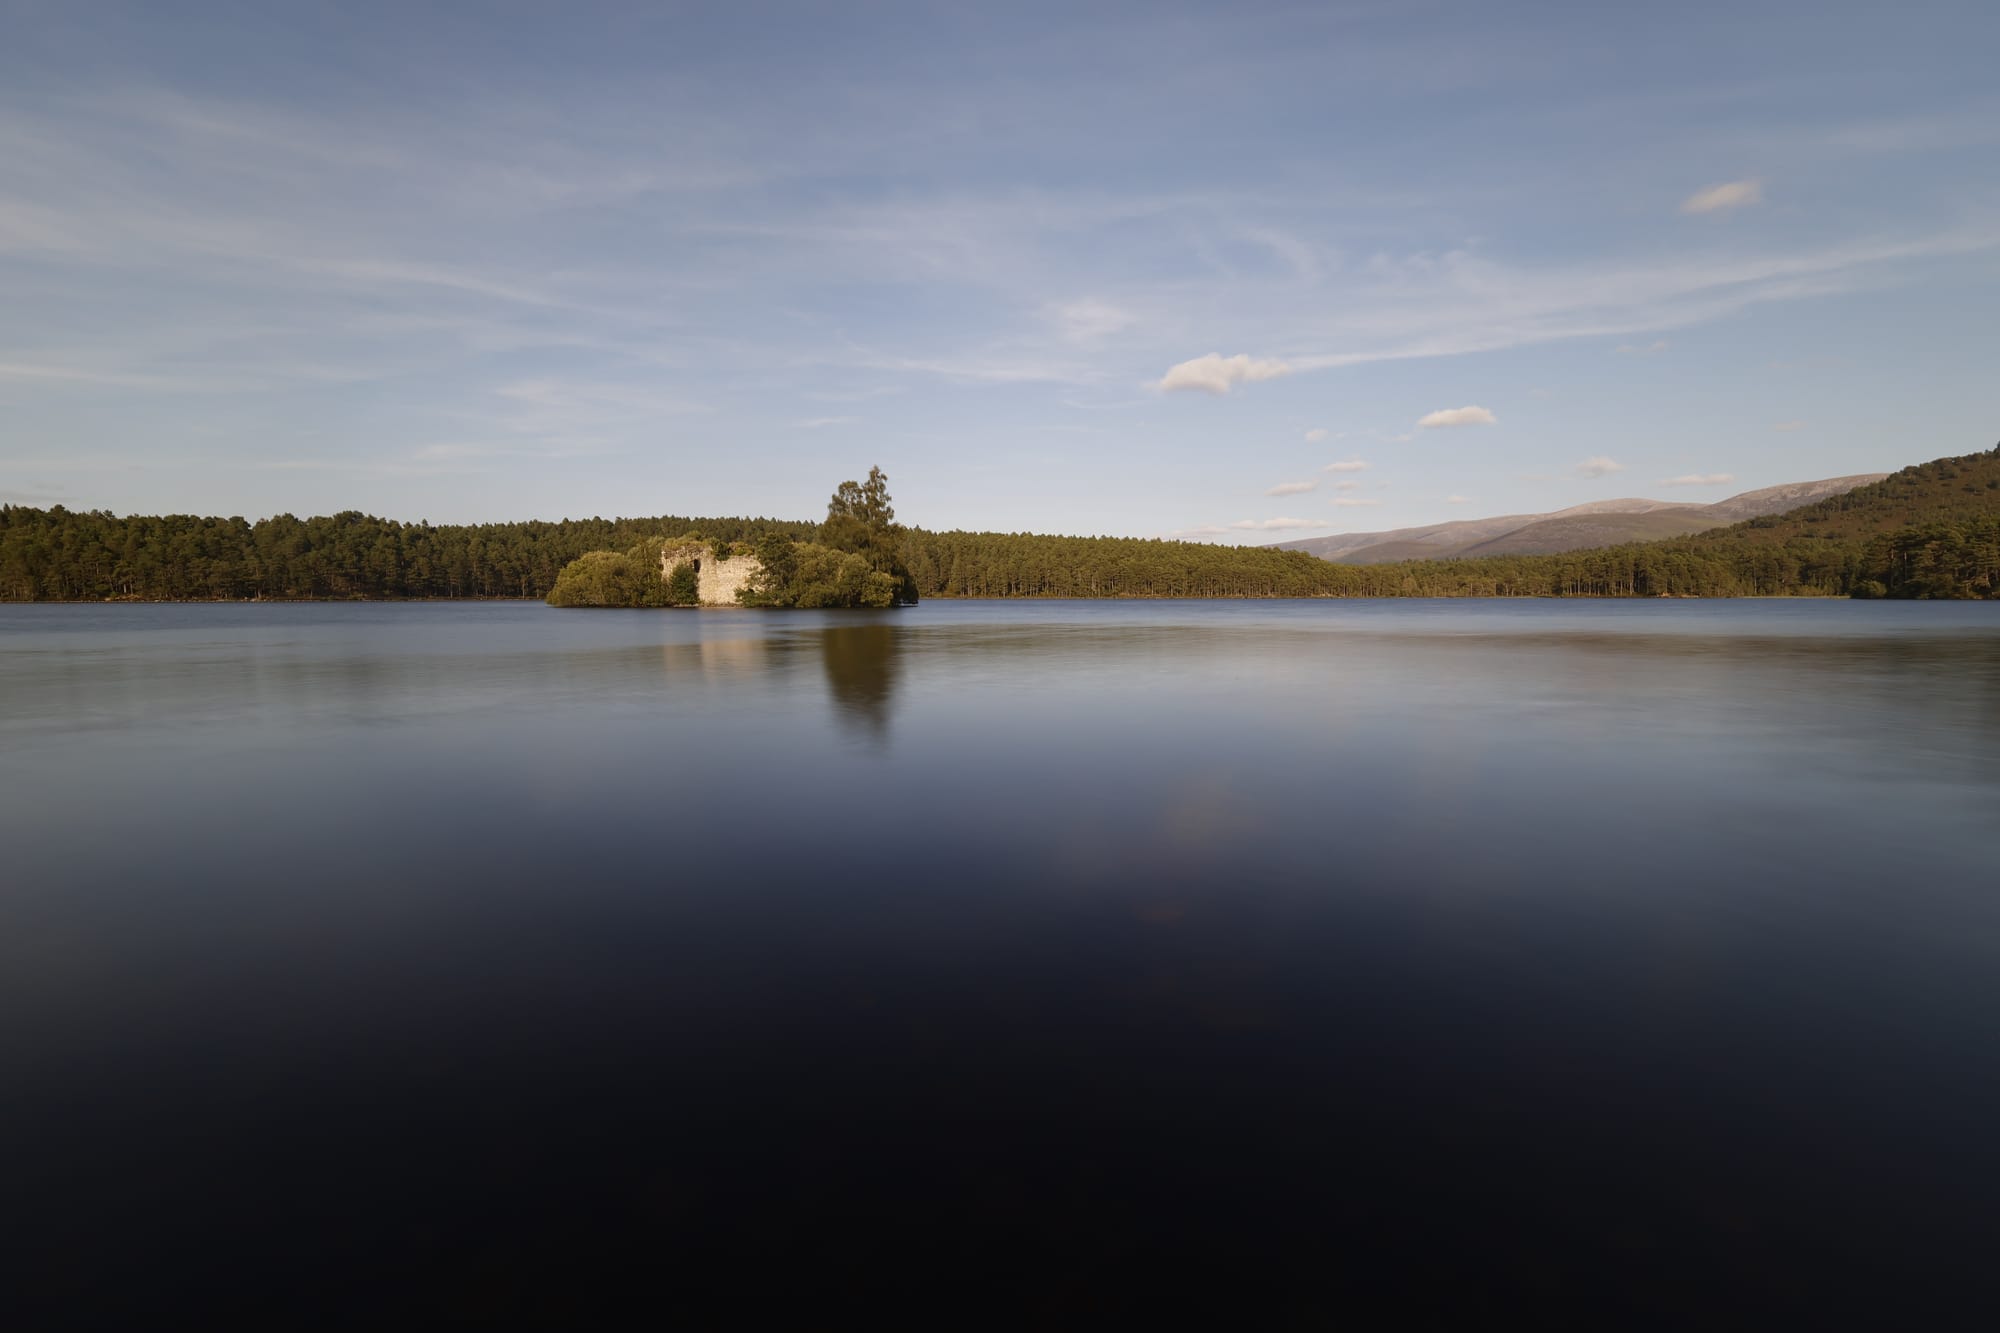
861 673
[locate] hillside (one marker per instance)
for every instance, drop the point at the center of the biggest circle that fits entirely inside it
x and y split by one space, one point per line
1598 523
1436 539
1929 531
1946 490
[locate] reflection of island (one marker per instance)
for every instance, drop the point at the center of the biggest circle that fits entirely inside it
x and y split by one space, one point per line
861 673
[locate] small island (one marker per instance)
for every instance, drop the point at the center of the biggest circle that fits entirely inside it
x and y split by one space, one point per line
854 562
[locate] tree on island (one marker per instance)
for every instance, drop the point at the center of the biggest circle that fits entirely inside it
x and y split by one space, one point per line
857 560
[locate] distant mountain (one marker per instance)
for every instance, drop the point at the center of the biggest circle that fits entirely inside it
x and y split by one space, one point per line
1577 532
1598 523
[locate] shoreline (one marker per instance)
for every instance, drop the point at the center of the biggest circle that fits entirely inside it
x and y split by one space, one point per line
941 597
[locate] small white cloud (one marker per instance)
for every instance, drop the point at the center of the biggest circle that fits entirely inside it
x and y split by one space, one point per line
1348 465
1722 198
1457 416
1293 488
1354 501
446 453
1219 374
1316 434
1788 425
1273 524
820 423
1600 466
1699 479
1205 530
1458 499
1647 349
1091 321
1347 485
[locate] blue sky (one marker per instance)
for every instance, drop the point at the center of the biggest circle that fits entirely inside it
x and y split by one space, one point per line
1077 268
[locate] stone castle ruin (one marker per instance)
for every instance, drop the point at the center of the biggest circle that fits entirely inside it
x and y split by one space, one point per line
716 581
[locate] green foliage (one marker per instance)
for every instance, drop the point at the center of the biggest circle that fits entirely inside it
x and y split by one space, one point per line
600 578
683 586
778 554
809 575
614 578
607 578
1001 564
1935 560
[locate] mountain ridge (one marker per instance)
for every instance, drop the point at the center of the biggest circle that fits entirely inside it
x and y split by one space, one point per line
1578 527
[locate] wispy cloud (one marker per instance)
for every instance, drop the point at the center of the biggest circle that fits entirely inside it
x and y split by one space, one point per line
978 367
33 499
1699 479
1219 374
380 468
1598 466
1347 465
1458 499
1971 126
1354 501
102 379
1318 433
1347 485
1293 488
1296 253
1091 321
1788 425
1464 302
1456 416
1273 524
580 398
1724 197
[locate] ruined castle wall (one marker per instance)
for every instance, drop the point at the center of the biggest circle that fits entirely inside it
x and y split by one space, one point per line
716 581
720 580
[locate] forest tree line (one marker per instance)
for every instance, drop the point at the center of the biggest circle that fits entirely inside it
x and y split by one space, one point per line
1929 531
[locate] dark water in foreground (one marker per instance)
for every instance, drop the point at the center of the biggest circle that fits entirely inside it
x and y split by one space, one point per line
476 959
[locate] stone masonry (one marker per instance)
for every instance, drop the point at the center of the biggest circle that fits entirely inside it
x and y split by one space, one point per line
716 581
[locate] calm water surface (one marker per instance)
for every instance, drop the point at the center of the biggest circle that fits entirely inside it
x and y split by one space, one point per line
467 959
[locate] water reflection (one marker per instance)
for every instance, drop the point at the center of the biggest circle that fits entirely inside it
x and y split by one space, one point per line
862 666
713 660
